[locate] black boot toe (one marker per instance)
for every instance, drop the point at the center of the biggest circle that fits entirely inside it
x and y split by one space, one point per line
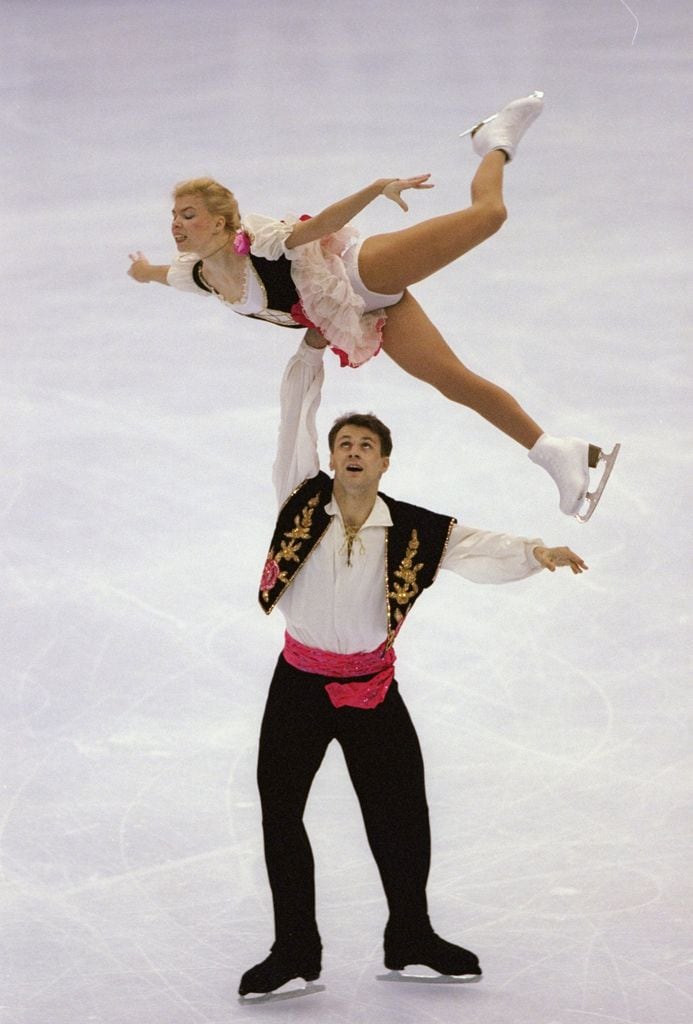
430 951
278 968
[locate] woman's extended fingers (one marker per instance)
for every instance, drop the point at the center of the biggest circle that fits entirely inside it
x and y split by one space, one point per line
138 267
393 189
418 181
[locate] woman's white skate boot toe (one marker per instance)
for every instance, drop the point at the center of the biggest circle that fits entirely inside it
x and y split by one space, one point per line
569 460
566 460
505 129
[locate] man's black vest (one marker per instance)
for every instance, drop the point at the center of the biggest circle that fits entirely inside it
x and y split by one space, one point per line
414 547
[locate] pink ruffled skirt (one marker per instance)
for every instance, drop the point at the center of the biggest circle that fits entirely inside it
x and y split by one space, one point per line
335 300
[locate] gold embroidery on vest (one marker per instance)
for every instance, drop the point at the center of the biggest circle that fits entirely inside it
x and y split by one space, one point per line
405 591
391 633
288 548
303 521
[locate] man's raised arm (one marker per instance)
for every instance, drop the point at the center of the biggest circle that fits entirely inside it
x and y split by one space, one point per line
299 399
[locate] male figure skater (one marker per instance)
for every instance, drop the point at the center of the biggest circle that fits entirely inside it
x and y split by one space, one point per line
346 565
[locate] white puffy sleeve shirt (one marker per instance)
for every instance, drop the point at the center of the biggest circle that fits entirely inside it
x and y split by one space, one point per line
180 273
268 240
337 607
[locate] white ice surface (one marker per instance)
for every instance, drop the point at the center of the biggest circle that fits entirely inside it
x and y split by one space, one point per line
137 438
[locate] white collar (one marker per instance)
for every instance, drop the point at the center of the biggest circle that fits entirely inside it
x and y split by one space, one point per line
378 516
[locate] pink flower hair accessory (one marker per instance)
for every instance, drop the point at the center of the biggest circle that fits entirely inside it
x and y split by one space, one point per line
241 242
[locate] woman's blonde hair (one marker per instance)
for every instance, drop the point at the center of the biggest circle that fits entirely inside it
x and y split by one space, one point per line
218 199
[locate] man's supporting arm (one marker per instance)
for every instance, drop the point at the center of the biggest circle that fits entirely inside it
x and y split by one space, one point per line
299 399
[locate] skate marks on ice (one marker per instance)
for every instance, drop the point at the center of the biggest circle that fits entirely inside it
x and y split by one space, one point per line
310 989
593 497
635 19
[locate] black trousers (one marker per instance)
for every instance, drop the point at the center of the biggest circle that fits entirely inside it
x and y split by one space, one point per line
383 757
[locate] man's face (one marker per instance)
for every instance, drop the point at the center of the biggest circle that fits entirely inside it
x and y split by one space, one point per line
356 459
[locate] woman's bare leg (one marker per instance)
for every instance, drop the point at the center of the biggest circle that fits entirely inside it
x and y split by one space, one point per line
415 344
419 348
391 262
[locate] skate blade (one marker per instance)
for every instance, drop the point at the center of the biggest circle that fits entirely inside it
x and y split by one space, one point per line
593 497
275 997
479 124
430 979
475 127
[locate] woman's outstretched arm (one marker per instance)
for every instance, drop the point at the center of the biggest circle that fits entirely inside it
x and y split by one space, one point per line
334 217
143 271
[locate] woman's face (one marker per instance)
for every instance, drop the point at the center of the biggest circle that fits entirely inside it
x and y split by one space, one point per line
194 228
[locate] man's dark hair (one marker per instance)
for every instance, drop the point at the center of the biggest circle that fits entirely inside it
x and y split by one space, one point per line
369 422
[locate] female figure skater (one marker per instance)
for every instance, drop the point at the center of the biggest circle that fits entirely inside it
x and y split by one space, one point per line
315 272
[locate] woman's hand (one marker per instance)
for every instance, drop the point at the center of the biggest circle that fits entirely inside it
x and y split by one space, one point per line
551 558
143 271
139 268
392 189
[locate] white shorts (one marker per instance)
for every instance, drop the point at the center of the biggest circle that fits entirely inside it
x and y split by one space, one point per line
373 300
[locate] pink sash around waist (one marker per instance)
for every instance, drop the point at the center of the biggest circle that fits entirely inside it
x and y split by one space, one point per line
378 664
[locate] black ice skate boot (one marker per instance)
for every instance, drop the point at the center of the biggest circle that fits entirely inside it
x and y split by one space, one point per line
284 963
424 947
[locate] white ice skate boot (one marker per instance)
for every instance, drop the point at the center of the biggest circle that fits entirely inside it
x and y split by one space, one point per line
568 461
505 129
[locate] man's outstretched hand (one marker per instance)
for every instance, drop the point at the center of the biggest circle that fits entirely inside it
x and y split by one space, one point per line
314 338
552 558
